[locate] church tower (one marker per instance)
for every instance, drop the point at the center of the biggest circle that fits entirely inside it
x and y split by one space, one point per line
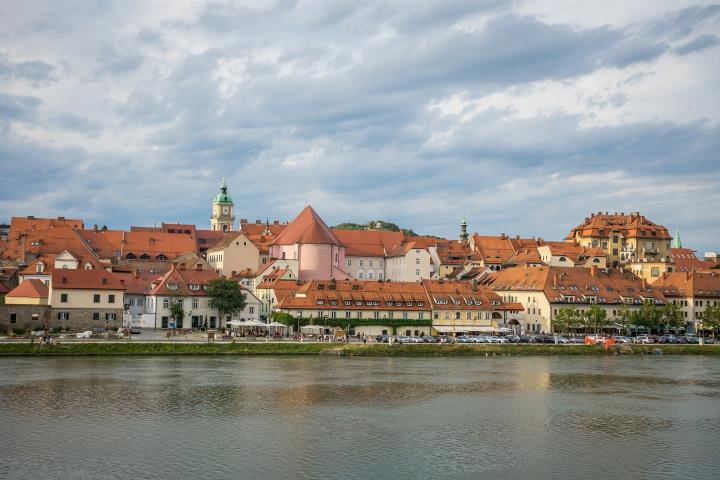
463 230
223 211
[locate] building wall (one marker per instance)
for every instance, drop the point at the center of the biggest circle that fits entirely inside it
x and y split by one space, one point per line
414 266
536 318
81 298
365 268
24 316
83 318
26 301
239 255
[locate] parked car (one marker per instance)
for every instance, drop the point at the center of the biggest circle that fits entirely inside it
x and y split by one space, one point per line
382 338
135 330
446 339
526 339
430 339
560 339
644 339
667 339
85 334
513 339
621 339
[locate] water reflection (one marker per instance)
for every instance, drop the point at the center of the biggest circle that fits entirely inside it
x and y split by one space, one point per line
302 417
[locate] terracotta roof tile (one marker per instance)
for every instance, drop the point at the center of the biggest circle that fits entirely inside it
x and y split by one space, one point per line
307 228
32 288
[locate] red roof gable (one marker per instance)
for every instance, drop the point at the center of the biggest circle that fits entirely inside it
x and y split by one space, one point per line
32 288
307 228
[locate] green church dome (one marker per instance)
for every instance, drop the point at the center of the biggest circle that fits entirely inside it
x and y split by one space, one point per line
223 196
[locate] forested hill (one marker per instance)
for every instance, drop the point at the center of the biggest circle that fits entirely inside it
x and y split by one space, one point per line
376 225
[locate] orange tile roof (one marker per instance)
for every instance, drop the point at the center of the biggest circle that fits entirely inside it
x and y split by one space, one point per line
456 295
307 228
388 296
368 243
576 285
627 226
696 283
32 288
493 249
85 279
182 280
137 283
454 252
107 243
685 260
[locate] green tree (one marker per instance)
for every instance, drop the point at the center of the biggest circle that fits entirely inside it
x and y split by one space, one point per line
671 316
176 310
595 317
649 316
566 318
226 296
625 318
711 318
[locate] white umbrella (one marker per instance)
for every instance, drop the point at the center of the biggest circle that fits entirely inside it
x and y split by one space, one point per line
235 323
254 323
312 327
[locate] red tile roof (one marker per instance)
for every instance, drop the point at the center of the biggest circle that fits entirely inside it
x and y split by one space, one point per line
107 243
455 295
685 260
85 279
575 285
627 226
368 243
307 228
179 282
32 288
690 284
388 295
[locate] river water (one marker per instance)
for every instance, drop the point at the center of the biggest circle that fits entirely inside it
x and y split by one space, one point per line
346 418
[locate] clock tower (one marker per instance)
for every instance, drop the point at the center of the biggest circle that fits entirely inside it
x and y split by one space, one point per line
223 211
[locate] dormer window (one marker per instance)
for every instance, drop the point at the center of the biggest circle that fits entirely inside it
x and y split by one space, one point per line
39 267
320 301
194 287
130 256
172 286
161 257
145 256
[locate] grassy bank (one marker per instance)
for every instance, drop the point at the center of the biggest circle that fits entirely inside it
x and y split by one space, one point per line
343 350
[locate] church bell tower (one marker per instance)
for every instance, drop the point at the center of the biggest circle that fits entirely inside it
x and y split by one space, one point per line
223 211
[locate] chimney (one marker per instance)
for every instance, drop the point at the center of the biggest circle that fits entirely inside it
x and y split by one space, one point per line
122 240
95 227
276 222
233 273
136 273
258 222
593 271
554 280
644 283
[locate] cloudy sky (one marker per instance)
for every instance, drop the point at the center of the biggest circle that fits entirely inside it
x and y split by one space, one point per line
525 116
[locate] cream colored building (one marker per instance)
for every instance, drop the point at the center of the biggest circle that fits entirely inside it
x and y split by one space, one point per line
223 211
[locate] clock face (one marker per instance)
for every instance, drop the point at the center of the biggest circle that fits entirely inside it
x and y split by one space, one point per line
225 210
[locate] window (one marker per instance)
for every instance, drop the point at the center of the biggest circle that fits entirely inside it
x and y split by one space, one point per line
359 314
164 322
405 315
110 317
111 298
380 275
370 263
195 303
131 301
417 272
420 315
615 251
376 315
63 315
96 315
195 287
251 310
417 261
166 302
96 298
362 262
615 239
63 298
39 267
370 274
349 262
347 314
360 274
13 317
655 272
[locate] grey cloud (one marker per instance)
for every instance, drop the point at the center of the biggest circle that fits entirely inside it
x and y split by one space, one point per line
37 72
76 123
18 107
697 45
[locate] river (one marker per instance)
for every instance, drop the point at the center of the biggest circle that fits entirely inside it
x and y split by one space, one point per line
346 418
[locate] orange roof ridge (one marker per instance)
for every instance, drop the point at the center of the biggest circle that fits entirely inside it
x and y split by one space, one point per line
32 288
307 228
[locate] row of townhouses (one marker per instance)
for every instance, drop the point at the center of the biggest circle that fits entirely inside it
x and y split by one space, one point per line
305 269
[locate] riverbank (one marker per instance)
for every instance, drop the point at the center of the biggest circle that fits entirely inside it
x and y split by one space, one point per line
100 349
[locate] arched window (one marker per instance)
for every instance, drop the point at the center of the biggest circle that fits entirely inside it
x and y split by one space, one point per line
130 256
562 259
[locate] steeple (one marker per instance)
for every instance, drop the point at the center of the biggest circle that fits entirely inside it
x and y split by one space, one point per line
463 230
223 210
677 243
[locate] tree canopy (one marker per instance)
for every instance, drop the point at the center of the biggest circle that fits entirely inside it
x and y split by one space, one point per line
226 296
374 224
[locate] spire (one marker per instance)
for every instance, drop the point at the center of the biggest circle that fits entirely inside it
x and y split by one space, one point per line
463 230
223 196
677 243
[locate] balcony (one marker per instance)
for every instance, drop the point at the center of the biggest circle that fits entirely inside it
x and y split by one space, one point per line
650 251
